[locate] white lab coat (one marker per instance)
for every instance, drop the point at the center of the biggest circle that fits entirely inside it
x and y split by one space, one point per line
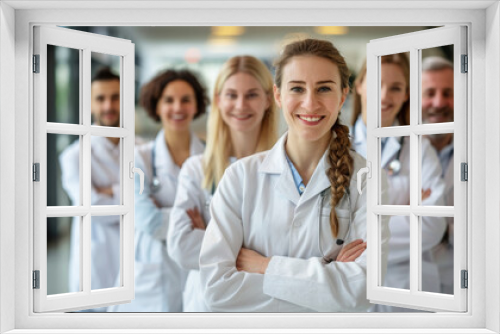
443 253
257 206
159 281
105 235
184 242
433 228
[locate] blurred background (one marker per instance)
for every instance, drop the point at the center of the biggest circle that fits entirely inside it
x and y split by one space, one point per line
201 49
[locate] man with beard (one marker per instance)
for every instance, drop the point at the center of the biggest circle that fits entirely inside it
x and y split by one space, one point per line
105 188
437 107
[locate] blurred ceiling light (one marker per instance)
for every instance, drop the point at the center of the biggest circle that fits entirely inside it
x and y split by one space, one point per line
192 55
221 42
331 30
228 31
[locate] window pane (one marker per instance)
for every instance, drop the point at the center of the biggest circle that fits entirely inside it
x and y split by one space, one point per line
105 89
437 254
395 162
437 85
63 85
395 90
105 256
63 165
398 261
437 174
105 171
63 255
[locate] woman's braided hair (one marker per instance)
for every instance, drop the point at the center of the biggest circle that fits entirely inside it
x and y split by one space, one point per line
339 157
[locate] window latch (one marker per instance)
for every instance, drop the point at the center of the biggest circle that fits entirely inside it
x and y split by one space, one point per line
133 170
365 170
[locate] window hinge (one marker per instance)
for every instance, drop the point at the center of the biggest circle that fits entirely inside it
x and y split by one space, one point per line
465 64
36 63
464 171
36 172
465 279
36 279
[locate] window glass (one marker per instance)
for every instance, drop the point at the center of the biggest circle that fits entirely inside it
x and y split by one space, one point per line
63 85
63 255
63 178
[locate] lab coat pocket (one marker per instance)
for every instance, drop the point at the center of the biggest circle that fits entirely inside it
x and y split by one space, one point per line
328 245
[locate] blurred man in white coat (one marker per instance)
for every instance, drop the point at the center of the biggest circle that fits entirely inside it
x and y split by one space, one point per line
105 187
437 107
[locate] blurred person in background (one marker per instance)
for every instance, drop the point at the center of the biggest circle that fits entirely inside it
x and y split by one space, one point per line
174 98
105 187
437 107
395 160
243 120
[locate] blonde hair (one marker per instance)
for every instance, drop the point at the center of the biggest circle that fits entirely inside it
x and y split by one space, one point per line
219 146
402 61
339 157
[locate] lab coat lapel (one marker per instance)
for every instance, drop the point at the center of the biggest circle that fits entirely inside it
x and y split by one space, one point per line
391 148
163 160
359 143
275 163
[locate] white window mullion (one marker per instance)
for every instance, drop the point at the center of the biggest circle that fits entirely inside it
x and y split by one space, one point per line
85 158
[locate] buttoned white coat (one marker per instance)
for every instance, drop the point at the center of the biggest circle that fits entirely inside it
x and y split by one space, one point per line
184 242
257 206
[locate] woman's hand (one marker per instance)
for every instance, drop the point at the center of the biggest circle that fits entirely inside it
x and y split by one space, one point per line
196 219
251 261
351 251
426 193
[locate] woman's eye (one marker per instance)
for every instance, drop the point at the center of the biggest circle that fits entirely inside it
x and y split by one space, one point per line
396 89
297 89
252 95
231 96
324 89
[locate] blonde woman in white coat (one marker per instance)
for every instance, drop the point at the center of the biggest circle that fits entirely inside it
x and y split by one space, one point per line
395 112
174 98
288 227
243 120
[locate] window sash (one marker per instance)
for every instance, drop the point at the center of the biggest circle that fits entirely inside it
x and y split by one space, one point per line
86 43
413 43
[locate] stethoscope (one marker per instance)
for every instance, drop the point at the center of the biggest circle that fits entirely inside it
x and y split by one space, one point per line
338 241
395 165
155 182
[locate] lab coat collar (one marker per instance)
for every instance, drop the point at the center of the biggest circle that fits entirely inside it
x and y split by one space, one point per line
359 142
391 148
276 163
163 159
103 144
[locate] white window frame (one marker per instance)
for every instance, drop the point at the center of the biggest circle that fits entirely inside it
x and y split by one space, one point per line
483 21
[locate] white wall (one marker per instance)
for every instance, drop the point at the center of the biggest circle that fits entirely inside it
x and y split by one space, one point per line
7 58
492 165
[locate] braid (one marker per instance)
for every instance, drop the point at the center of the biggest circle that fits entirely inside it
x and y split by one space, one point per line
340 171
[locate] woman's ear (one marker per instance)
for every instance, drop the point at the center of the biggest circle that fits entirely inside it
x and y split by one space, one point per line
277 95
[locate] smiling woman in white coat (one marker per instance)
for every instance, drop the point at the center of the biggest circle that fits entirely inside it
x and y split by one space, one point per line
288 227
243 120
395 105
174 98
